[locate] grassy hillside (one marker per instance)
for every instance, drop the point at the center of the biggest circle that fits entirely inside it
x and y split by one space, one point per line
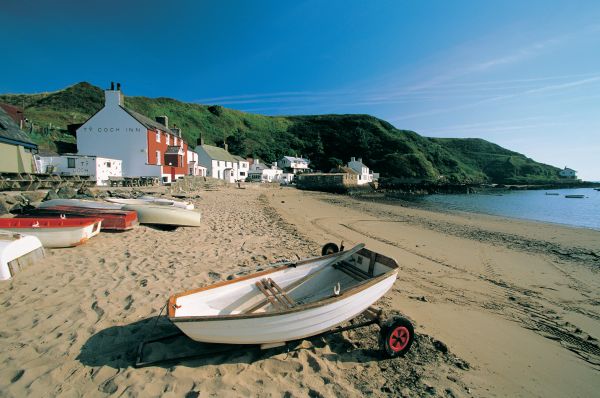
327 140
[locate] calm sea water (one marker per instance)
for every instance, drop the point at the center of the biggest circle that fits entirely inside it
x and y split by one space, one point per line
531 205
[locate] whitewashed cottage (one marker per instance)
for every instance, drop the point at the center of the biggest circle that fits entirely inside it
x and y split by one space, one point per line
365 176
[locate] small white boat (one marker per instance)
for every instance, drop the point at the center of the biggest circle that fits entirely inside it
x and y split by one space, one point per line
151 200
169 217
91 204
17 252
53 231
286 303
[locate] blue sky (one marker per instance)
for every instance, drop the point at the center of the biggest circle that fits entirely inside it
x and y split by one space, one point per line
523 74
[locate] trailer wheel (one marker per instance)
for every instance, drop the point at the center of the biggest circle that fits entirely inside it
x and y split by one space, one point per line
396 336
329 248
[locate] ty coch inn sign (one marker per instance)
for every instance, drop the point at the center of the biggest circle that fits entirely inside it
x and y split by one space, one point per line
112 129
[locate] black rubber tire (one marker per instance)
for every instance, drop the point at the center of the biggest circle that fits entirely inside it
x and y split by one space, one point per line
396 336
329 248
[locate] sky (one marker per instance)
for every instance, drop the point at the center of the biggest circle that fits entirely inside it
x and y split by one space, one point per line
522 74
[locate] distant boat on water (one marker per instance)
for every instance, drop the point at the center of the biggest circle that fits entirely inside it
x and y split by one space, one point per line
575 196
552 193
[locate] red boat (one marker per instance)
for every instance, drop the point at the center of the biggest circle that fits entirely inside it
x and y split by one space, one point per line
55 231
113 220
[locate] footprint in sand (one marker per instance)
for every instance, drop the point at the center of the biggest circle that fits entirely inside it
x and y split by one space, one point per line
99 311
128 302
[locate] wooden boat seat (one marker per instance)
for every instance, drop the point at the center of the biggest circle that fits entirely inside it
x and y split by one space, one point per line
352 270
275 294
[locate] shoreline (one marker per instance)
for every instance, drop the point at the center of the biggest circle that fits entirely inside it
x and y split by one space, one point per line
404 200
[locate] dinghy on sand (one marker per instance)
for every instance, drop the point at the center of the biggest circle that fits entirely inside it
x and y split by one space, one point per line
54 232
112 220
17 252
151 200
290 302
165 217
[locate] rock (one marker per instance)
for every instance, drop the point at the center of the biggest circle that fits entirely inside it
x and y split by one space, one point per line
440 346
51 195
66 193
34 196
85 191
4 207
405 392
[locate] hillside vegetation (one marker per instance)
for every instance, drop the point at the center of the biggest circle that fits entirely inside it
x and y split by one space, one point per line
327 140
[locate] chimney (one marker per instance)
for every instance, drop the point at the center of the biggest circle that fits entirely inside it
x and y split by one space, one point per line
200 140
163 120
112 97
352 159
226 147
359 160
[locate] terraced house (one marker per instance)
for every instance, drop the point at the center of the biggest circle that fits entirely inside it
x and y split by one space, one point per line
221 164
16 149
148 148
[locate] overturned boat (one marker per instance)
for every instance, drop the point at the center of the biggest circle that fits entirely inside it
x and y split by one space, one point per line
151 200
17 251
112 219
289 302
56 231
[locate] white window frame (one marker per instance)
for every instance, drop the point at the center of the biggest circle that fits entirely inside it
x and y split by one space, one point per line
175 141
157 135
158 159
168 139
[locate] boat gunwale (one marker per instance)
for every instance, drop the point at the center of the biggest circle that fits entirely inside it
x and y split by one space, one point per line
387 261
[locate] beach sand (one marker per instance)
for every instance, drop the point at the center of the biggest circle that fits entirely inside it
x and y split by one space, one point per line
501 307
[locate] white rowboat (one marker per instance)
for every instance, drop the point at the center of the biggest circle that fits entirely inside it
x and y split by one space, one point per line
16 252
286 303
151 200
165 215
92 204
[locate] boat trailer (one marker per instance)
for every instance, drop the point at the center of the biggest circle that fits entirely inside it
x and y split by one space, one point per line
396 336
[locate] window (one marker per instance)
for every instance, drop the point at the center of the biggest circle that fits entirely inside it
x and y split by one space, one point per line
158 157
107 164
175 141
157 135
168 139
71 163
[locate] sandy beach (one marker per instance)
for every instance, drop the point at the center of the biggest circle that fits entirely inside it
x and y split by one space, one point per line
501 307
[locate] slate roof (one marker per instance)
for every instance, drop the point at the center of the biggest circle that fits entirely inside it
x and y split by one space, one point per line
217 153
295 159
146 121
12 134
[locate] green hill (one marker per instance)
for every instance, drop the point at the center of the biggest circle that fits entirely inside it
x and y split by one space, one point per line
327 140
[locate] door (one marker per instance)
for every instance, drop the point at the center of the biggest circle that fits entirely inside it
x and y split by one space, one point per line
172 174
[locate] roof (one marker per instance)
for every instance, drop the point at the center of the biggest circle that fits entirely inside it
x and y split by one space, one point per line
568 169
239 158
343 169
146 121
11 133
295 159
14 112
217 153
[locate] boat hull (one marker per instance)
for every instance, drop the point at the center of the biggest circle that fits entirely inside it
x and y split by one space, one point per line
16 252
149 200
282 327
112 220
165 215
55 233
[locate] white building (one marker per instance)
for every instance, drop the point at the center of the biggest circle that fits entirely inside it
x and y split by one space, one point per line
98 168
365 176
567 173
264 173
221 164
293 164
148 148
194 167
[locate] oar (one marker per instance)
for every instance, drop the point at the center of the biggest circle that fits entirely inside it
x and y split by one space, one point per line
300 281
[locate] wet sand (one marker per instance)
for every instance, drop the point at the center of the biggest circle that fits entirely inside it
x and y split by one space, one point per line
501 307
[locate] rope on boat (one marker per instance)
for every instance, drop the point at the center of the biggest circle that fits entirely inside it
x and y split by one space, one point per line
157 318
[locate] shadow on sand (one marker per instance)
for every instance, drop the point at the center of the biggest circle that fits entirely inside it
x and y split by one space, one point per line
117 347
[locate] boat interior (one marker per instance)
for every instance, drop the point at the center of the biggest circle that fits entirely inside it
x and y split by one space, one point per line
294 285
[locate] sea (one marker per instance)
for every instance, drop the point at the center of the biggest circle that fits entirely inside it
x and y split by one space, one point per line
529 205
